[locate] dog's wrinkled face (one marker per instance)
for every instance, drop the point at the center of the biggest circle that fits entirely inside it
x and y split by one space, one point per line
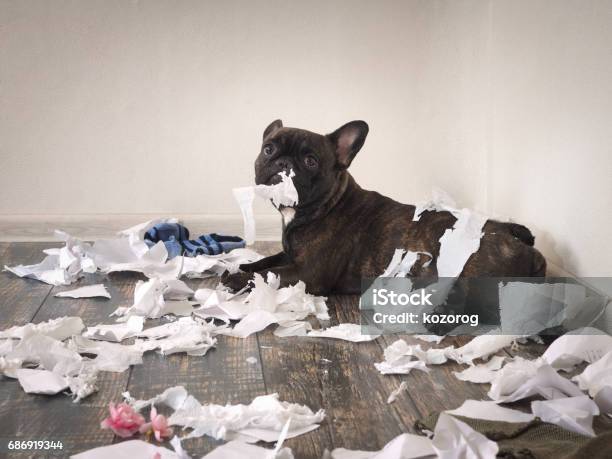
317 160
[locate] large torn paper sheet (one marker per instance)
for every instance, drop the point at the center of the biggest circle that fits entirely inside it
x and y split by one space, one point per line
283 193
571 413
489 411
585 344
263 419
459 243
454 439
346 332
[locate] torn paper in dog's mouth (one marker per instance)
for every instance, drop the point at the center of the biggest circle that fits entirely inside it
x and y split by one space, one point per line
282 194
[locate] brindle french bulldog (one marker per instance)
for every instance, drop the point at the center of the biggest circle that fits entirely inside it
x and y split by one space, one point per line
340 233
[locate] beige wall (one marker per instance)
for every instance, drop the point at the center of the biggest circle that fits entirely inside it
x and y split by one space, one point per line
157 107
550 156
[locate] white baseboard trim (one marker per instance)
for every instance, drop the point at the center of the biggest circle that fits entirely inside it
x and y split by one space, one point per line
18 228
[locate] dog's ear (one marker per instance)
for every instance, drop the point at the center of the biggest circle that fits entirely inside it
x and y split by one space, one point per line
272 128
348 140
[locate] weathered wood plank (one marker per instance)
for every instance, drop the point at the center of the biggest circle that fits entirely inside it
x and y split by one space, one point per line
338 376
20 298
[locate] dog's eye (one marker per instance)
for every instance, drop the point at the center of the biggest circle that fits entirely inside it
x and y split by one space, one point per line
267 150
311 162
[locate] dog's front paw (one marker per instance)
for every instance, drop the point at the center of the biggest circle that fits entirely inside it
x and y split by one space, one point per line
236 281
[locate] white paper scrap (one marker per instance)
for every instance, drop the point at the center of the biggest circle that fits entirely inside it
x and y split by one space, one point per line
41 381
483 373
454 439
459 243
490 411
545 382
440 201
89 291
116 332
239 450
60 328
283 193
571 413
585 344
481 347
346 332
393 395
597 380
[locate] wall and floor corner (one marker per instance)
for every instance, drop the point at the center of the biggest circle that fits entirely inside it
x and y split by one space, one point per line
111 112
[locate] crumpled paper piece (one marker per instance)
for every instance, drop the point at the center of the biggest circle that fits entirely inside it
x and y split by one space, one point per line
263 419
283 193
264 305
40 381
88 291
150 300
571 413
483 373
346 332
454 439
585 344
481 347
401 358
61 266
597 380
59 366
116 332
545 382
187 334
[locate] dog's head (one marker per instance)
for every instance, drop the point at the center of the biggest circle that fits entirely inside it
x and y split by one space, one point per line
317 160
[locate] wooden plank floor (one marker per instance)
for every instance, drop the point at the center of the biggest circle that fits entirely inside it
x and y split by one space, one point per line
334 375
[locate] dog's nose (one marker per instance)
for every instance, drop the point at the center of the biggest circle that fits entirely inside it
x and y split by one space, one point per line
283 164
